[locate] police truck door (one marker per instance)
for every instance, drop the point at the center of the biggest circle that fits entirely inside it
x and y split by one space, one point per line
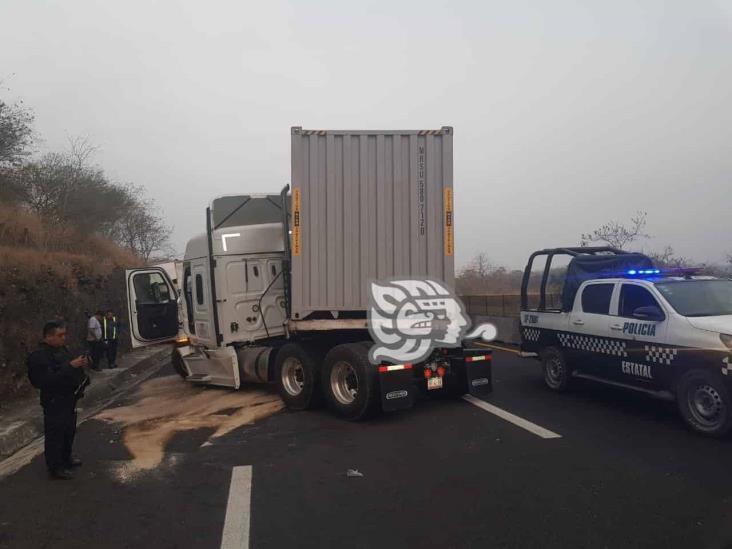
642 323
152 305
589 329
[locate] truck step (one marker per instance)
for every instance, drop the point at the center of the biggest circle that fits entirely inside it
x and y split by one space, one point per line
199 378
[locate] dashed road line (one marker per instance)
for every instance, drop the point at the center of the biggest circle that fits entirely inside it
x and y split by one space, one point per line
238 509
512 418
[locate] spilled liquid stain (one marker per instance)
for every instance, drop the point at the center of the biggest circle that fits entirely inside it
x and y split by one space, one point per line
167 405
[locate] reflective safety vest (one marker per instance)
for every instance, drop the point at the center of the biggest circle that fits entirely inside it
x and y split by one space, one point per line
105 327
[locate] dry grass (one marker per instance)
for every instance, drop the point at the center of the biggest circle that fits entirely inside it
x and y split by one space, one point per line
51 273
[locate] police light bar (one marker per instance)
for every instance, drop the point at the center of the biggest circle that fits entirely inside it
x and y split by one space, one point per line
672 271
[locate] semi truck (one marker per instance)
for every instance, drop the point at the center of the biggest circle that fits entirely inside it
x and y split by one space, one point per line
276 290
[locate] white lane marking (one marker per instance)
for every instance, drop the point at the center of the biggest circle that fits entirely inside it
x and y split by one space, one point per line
238 509
508 416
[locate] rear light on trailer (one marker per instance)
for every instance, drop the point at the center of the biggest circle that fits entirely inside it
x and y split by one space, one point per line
394 367
427 373
441 371
477 358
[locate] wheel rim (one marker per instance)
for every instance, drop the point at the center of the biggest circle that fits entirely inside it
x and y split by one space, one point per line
706 406
554 371
293 376
344 382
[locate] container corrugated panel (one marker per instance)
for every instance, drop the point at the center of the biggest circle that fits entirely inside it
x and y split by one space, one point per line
368 205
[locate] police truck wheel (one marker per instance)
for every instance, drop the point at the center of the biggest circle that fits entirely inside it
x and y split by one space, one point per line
556 372
704 403
297 376
349 382
178 364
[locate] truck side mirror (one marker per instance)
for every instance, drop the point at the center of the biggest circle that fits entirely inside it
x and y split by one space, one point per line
650 312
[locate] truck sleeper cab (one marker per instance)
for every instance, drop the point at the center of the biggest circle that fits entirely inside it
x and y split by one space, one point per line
623 322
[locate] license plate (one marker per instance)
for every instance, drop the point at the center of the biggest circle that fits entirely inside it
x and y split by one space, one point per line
434 383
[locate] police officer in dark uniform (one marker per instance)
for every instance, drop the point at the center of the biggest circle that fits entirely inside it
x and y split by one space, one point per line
61 380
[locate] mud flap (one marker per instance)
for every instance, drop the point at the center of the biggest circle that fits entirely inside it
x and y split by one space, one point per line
478 371
397 390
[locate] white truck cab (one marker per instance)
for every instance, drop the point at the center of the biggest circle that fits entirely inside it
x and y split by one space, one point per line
624 322
227 290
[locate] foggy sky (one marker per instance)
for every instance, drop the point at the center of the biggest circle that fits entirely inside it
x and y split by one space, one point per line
566 114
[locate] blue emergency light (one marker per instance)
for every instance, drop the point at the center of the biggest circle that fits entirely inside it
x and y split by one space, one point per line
634 272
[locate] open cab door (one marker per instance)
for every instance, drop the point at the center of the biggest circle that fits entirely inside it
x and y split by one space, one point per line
152 305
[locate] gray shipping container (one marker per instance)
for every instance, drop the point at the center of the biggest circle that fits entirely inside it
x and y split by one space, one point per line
368 205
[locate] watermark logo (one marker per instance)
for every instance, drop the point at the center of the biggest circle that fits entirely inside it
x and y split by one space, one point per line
408 319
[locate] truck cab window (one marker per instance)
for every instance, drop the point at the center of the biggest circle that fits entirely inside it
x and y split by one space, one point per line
188 293
632 297
199 289
151 288
596 298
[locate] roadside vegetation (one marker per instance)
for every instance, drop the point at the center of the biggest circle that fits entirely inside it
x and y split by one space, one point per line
67 232
481 277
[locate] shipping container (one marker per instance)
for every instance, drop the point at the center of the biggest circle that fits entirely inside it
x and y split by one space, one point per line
368 205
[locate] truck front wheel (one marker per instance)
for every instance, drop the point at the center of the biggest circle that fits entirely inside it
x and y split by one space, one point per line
297 377
349 382
704 403
556 372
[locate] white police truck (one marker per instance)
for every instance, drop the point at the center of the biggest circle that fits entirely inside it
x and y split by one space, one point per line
622 321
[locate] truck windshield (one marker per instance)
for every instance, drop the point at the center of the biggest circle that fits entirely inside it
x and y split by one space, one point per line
698 297
235 211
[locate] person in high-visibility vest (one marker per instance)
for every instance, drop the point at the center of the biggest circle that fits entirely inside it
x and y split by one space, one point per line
110 333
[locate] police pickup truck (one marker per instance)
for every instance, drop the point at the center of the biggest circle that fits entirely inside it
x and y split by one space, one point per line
624 322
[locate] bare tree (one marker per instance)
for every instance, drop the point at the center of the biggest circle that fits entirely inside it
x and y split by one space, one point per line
143 230
618 235
16 133
66 190
480 265
80 151
668 258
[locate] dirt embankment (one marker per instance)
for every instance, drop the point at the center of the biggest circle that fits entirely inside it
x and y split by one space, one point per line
51 273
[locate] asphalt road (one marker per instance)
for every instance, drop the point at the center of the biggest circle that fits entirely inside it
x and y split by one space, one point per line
624 473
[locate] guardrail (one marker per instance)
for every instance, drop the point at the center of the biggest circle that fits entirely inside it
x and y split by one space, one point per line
506 305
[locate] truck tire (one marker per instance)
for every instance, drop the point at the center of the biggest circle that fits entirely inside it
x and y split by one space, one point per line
349 382
297 375
178 364
704 403
557 374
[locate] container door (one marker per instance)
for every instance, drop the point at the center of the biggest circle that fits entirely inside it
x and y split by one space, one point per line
152 304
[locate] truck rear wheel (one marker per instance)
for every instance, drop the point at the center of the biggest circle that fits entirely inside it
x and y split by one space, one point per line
556 372
297 377
704 403
349 382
